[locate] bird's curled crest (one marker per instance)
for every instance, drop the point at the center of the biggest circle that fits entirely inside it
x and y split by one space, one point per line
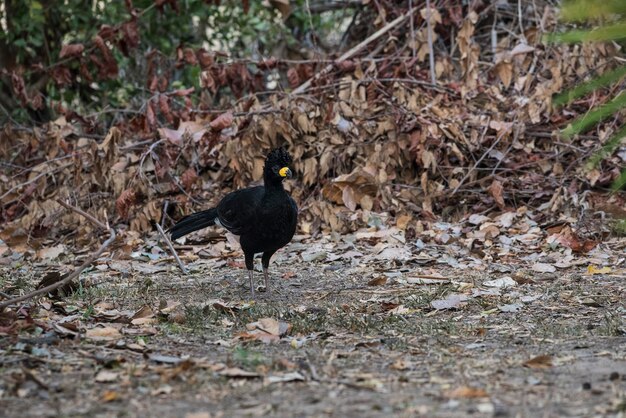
279 157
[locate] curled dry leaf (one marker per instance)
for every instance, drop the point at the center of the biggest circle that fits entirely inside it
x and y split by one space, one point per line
71 50
123 203
222 122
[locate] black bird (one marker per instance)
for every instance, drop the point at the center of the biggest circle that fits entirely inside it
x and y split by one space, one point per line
264 217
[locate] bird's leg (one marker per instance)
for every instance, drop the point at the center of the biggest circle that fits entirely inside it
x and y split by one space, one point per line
251 283
265 262
249 257
266 276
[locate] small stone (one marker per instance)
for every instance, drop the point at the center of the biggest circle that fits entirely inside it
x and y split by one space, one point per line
586 386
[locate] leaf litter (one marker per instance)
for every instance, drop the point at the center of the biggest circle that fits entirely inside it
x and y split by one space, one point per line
513 301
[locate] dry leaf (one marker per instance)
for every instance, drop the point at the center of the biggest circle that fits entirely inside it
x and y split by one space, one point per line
103 334
466 392
539 362
377 281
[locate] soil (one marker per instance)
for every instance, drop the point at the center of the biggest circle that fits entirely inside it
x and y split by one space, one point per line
551 346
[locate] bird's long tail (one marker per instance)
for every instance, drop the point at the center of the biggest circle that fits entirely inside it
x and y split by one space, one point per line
193 222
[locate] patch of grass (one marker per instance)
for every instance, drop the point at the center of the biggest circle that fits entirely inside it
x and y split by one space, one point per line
618 227
248 359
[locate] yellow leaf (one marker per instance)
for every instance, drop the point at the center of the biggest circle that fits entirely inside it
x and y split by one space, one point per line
595 270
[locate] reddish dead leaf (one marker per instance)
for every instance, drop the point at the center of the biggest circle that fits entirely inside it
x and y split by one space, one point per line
223 121
539 362
267 64
495 190
568 238
189 178
266 330
189 56
204 58
164 107
293 78
123 203
184 92
150 116
19 89
71 50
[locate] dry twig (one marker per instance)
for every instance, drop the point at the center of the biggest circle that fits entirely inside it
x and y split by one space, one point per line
76 272
171 247
303 87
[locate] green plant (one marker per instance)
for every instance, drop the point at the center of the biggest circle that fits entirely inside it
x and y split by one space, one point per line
612 27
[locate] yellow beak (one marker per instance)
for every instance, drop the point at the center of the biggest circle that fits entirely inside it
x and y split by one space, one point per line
284 172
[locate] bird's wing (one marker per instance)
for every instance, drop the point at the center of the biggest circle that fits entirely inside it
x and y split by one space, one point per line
237 210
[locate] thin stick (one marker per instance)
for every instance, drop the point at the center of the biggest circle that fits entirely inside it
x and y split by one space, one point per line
34 179
431 49
76 272
171 247
497 141
352 52
89 217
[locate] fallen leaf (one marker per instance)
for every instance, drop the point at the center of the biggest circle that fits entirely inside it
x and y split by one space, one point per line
237 372
288 377
110 396
50 253
466 392
103 334
539 362
512 307
502 282
377 281
106 376
543 268
452 301
591 269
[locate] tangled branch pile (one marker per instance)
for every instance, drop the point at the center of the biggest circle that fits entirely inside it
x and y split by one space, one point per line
372 135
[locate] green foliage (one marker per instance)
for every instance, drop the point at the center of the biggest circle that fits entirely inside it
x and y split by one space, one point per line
35 31
613 11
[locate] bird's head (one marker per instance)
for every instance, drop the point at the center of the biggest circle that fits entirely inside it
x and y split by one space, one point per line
277 165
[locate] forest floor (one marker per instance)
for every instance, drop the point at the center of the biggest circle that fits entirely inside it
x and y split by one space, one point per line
338 334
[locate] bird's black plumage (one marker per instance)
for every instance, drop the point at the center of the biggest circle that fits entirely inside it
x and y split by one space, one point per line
264 217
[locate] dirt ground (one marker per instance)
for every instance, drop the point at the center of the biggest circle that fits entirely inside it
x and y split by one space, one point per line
350 340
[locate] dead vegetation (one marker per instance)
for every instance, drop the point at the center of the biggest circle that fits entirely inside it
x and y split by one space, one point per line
454 256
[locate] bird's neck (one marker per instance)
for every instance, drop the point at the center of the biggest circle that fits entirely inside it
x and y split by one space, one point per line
272 183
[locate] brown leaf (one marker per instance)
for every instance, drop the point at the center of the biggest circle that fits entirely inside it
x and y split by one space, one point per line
539 362
164 107
123 203
495 190
293 78
110 396
223 121
204 58
467 392
71 50
189 56
103 334
377 281
188 178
